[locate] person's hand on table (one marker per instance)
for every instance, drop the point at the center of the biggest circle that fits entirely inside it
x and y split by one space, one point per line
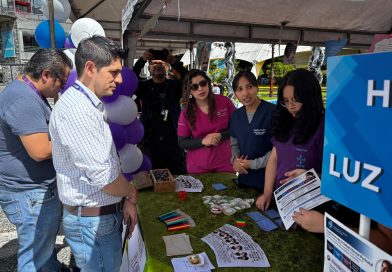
292 174
130 211
312 221
263 201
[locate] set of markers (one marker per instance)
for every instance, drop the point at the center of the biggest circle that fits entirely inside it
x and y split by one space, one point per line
177 220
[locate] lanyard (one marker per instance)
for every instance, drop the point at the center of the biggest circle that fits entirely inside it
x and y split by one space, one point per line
80 89
31 85
83 91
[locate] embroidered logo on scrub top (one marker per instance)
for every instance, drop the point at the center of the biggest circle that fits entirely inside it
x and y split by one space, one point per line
221 113
301 161
259 131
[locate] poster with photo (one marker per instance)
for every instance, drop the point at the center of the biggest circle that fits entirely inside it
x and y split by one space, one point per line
346 250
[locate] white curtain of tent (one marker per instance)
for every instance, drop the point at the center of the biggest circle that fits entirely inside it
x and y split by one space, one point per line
250 52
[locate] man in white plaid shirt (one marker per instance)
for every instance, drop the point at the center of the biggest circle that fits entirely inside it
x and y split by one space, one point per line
90 182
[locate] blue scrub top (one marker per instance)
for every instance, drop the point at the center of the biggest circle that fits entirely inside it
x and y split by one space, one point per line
254 139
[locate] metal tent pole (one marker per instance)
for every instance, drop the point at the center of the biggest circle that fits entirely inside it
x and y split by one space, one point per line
51 24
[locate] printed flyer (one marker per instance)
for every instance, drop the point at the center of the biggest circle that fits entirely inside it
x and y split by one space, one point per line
346 250
300 192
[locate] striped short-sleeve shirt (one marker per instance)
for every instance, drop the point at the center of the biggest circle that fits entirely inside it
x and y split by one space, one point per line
84 154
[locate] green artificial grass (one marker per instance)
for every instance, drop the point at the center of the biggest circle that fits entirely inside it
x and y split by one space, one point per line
293 250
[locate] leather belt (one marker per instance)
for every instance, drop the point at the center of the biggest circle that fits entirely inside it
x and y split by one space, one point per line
94 211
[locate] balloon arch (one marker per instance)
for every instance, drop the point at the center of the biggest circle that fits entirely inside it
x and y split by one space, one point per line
121 110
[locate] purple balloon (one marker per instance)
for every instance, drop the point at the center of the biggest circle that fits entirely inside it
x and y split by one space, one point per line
128 176
146 164
119 135
110 99
134 132
73 76
68 43
129 84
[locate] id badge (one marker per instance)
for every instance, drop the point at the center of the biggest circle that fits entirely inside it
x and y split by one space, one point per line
164 114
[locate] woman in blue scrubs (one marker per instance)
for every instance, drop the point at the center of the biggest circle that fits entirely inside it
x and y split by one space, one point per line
250 132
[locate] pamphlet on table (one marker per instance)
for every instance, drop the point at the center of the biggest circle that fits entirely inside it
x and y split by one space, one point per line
235 248
188 184
346 250
300 192
177 244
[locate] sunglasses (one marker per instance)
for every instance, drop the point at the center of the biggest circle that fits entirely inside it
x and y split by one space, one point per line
202 83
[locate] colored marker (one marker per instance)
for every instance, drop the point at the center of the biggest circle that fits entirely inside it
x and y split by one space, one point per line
177 221
174 218
172 215
163 215
180 227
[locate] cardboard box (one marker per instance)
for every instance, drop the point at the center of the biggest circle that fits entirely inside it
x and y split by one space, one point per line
163 180
142 180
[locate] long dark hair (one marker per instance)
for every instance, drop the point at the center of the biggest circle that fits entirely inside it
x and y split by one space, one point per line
307 90
190 110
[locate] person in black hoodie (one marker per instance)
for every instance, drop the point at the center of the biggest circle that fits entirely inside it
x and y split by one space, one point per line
158 99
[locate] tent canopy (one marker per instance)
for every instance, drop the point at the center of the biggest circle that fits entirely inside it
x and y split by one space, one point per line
311 22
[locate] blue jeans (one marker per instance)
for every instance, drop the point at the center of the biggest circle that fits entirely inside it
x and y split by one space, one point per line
95 241
36 213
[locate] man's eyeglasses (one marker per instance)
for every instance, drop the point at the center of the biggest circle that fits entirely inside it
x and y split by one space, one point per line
62 80
195 86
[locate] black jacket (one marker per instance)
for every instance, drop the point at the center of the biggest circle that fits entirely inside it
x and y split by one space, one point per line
145 96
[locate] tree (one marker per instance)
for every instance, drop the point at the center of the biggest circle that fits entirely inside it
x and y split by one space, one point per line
216 73
280 69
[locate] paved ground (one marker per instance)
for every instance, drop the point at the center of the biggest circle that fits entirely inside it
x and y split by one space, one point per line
9 247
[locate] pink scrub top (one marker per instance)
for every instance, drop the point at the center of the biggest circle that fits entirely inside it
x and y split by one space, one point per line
214 158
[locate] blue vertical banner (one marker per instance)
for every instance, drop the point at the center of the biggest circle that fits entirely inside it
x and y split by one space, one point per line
357 162
8 44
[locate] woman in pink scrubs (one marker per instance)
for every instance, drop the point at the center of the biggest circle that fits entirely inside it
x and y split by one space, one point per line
203 127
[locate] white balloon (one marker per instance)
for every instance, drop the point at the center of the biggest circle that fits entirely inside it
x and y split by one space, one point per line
71 54
122 111
85 28
62 9
131 158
